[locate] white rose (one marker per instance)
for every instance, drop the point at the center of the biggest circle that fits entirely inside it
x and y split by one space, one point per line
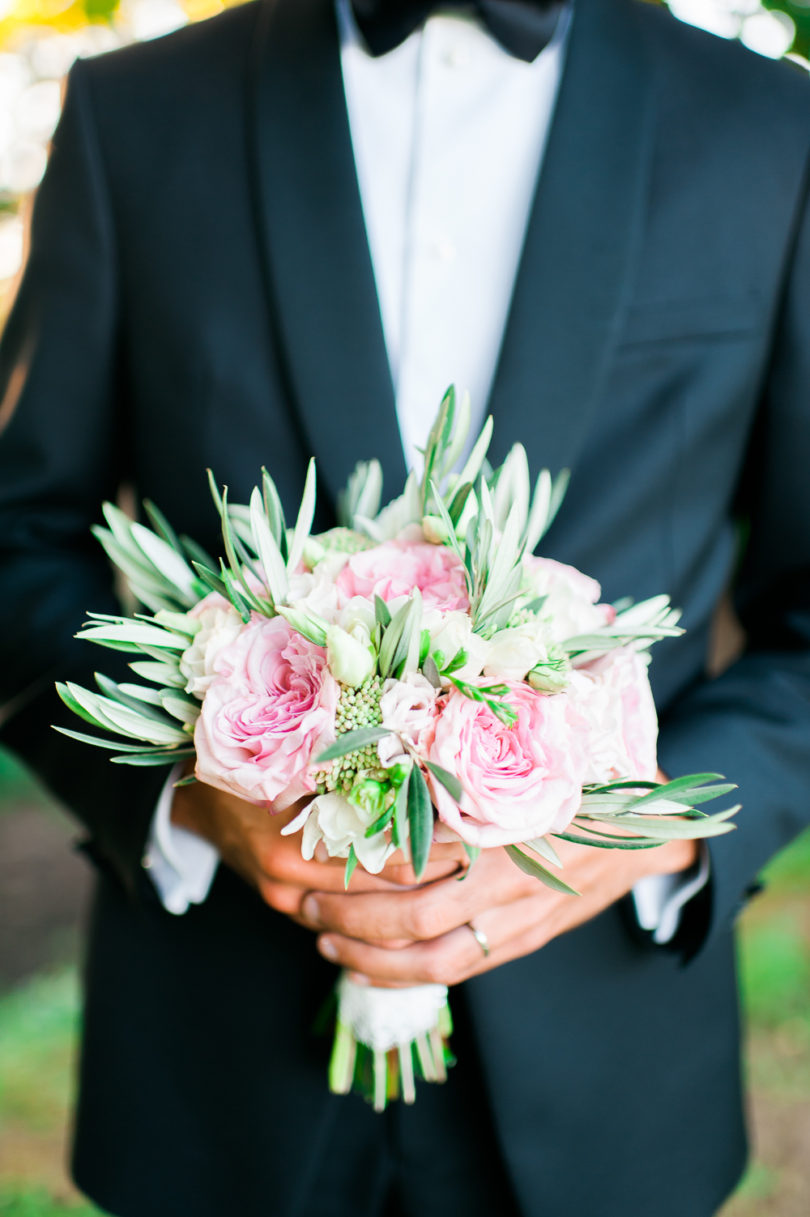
331 818
219 625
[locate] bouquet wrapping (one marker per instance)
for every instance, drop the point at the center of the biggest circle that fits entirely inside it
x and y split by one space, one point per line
414 674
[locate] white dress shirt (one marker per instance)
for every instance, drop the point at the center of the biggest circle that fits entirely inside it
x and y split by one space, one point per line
448 132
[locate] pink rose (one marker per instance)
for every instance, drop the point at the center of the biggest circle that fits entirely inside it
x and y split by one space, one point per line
517 782
571 607
395 568
613 706
267 713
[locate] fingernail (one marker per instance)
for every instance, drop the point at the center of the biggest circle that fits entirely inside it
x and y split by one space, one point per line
327 948
358 978
310 910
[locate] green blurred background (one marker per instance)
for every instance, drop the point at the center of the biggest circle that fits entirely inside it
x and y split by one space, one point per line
44 884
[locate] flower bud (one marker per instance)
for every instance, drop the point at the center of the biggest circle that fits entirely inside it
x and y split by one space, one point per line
435 530
351 662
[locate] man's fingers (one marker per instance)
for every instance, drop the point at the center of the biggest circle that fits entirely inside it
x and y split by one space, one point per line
416 915
510 931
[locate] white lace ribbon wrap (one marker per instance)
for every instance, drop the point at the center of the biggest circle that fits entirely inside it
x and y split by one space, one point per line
385 1018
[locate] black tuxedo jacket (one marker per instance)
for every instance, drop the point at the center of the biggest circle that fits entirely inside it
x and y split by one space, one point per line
199 292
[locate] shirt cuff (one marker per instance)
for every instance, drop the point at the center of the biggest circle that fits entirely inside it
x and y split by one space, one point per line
659 899
180 864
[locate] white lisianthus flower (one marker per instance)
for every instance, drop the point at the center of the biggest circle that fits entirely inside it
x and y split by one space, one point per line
331 818
408 709
350 661
451 632
357 618
219 624
515 651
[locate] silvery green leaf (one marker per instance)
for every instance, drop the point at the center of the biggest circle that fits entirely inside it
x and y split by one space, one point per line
436 446
275 570
450 782
431 672
543 847
538 511
233 574
162 526
461 429
130 560
504 576
303 524
689 784
121 720
452 539
608 841
512 487
159 673
420 821
155 756
180 708
111 745
530 867
472 466
238 515
362 494
398 514
350 741
274 511
134 636
181 623
166 561
672 830
213 582
137 697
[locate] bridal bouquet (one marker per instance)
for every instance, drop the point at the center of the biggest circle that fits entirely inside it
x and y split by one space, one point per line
414 674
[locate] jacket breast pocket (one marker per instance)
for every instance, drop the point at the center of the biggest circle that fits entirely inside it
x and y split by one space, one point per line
709 318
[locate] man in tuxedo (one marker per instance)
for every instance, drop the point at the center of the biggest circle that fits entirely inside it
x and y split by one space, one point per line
282 231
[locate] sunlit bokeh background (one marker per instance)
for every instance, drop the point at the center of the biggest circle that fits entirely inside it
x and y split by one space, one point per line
43 885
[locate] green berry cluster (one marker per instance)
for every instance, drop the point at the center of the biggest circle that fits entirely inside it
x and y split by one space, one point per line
358 707
343 541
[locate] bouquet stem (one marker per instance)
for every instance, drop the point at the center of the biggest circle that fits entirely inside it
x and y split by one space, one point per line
386 1039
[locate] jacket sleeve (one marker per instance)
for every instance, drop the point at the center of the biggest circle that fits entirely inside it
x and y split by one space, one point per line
753 722
63 449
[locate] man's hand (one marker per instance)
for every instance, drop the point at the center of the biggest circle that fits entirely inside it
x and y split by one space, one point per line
249 841
423 935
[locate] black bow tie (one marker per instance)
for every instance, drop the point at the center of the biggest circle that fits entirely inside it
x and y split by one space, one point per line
523 27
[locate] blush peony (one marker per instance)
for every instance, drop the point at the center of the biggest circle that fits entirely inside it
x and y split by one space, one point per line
266 715
395 568
613 706
517 782
572 604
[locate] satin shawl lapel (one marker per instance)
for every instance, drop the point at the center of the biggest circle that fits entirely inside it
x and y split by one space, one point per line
586 220
320 276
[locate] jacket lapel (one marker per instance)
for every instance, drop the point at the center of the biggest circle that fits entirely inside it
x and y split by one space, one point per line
320 276
579 252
